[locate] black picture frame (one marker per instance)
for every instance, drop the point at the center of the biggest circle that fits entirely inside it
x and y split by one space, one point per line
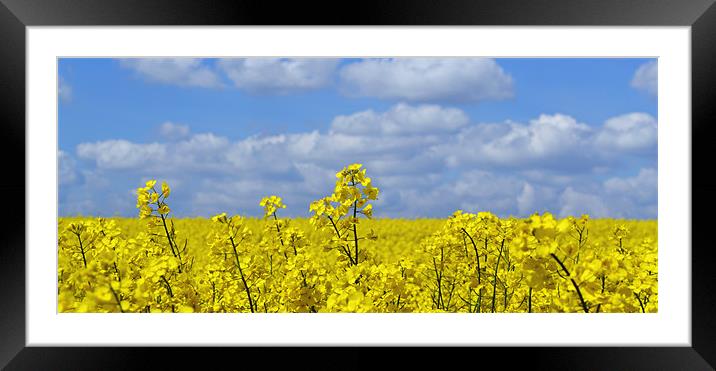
16 15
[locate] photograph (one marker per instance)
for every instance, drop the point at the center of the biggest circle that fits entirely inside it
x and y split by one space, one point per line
406 184
522 181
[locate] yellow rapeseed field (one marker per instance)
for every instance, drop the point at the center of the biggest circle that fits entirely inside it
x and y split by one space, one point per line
343 260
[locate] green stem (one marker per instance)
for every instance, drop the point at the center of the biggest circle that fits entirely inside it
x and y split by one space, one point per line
438 278
574 283
116 297
477 254
116 270
169 240
82 249
494 281
278 229
241 273
505 296
640 303
599 307
355 239
169 291
529 302
344 248
355 229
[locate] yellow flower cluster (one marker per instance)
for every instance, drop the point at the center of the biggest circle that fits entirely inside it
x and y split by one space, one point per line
339 212
338 261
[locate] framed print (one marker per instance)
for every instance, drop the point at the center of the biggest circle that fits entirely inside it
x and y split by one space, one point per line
486 176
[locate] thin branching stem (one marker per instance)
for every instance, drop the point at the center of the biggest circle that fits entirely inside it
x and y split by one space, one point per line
241 273
574 283
494 281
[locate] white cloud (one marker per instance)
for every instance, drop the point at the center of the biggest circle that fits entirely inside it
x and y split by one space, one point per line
121 154
640 188
174 71
551 163
545 136
316 177
484 184
633 132
171 131
401 119
265 154
576 203
203 143
646 78
361 137
632 196
277 75
548 141
526 200
439 195
557 142
423 79
481 190
204 152
66 172
64 90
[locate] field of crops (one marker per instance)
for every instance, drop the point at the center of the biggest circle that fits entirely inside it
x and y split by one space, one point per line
344 260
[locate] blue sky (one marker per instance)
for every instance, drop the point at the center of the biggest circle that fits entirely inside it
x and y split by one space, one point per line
512 136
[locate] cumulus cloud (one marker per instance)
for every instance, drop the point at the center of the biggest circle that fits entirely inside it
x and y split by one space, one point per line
171 131
544 142
526 199
404 79
424 79
121 154
646 78
633 132
577 203
640 188
402 119
428 161
279 75
66 171
552 142
440 194
64 90
544 137
174 71
630 197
